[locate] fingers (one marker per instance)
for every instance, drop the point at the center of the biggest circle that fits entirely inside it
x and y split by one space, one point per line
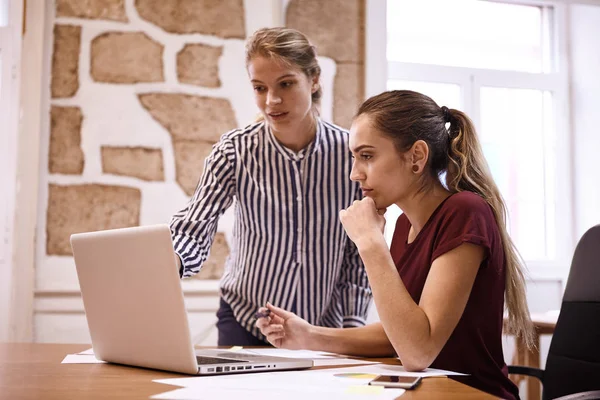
276 339
280 312
274 334
262 323
273 330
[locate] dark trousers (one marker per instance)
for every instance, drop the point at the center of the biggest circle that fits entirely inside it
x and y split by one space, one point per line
231 333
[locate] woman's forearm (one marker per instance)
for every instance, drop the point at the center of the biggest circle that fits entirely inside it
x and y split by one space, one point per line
366 341
411 337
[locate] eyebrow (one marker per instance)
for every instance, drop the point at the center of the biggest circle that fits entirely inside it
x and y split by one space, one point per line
362 147
280 78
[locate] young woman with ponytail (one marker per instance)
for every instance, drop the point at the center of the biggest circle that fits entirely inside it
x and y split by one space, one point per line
440 290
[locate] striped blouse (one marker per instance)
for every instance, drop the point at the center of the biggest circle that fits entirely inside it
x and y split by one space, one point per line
289 247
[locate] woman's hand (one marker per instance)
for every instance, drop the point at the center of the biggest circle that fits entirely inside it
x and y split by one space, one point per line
363 221
284 329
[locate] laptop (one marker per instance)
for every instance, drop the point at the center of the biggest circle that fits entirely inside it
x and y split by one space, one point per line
135 308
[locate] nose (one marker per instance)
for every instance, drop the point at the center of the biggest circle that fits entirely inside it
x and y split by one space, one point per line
273 98
356 174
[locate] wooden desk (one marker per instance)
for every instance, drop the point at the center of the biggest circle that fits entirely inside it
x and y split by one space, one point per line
544 324
34 371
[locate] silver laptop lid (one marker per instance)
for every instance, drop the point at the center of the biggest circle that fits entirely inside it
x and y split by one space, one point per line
133 299
135 309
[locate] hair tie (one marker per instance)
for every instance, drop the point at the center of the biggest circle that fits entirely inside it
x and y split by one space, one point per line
447 116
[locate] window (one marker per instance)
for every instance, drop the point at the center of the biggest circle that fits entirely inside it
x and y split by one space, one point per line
500 63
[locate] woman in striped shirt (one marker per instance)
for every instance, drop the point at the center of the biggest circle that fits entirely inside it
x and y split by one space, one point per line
288 175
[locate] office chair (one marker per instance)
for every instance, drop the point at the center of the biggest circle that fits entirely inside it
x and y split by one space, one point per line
573 363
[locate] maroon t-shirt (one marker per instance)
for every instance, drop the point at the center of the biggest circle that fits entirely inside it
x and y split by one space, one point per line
475 346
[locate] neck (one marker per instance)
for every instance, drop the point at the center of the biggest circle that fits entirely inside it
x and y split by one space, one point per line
299 136
419 207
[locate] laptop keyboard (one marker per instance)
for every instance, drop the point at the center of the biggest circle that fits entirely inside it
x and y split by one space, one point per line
216 360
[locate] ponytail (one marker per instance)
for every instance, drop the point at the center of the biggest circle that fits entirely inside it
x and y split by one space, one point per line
468 171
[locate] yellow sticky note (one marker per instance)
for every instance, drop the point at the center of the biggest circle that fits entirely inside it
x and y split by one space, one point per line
236 348
364 389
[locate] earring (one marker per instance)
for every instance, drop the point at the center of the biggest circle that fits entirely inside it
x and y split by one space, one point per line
415 168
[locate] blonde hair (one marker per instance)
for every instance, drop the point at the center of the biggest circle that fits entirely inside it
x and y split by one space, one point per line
290 47
406 117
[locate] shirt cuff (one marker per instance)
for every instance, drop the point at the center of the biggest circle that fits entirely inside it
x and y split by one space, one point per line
353 321
181 266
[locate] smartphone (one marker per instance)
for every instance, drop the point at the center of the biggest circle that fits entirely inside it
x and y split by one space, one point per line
404 382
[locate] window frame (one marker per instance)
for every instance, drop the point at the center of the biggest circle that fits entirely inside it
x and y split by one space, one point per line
379 70
10 48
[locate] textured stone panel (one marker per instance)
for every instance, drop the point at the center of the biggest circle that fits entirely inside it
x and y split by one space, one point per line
335 27
188 117
113 10
126 57
198 64
214 266
65 154
65 61
223 18
84 208
348 93
138 162
189 162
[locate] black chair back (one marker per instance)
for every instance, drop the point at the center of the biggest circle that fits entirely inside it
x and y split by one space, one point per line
573 363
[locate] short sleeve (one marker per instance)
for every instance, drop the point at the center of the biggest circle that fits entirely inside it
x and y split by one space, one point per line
467 218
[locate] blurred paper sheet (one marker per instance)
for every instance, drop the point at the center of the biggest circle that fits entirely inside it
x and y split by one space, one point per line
292 385
297 392
395 370
81 359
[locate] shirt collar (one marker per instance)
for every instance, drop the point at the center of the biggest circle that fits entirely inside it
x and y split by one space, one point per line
305 152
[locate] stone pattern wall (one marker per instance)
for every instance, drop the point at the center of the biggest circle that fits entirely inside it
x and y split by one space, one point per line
336 28
140 90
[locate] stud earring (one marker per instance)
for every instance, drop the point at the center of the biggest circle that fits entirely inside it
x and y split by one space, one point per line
415 168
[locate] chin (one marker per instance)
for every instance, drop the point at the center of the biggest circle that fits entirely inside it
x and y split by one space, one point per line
381 204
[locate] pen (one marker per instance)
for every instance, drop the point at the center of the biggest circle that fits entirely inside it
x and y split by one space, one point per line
262 314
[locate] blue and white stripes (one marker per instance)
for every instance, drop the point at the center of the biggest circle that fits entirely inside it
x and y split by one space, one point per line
289 247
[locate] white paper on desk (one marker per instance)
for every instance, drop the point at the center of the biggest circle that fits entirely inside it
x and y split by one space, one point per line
296 392
394 370
270 380
292 385
81 359
88 351
319 358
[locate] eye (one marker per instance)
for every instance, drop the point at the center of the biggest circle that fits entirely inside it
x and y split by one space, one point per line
365 156
286 84
259 89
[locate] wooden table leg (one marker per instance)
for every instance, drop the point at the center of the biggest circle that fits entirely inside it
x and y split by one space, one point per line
533 360
518 359
530 358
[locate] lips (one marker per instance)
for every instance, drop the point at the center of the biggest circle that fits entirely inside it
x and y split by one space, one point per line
277 115
366 191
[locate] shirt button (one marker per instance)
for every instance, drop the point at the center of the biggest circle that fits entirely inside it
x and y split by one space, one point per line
299 198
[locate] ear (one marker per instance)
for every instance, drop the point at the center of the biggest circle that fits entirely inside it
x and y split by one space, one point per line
315 84
419 153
